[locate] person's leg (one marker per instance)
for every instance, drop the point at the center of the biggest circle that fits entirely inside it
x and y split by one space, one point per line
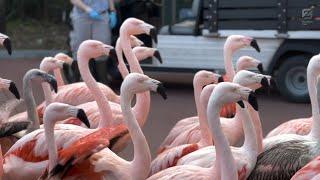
101 32
81 32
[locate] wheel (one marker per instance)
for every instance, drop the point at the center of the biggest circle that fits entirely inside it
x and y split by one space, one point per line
292 79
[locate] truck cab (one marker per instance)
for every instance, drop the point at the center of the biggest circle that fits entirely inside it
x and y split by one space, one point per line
192 34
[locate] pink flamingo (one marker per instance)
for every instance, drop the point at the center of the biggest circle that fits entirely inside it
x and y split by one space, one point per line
57 73
105 163
180 133
253 142
30 153
187 131
226 166
285 154
311 171
6 42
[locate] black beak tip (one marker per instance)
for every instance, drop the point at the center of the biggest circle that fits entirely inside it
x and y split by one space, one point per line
220 79
255 45
74 65
7 45
260 67
154 34
161 90
54 85
158 56
65 66
113 56
81 115
13 89
265 83
253 101
241 104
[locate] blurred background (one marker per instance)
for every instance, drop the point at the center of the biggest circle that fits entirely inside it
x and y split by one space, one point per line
191 37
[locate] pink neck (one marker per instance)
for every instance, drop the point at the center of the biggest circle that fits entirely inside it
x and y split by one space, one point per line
103 103
121 66
228 65
142 106
312 83
142 157
257 126
225 166
206 139
58 76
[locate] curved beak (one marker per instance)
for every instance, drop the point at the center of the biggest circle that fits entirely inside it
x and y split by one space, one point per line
161 91
7 45
65 66
265 83
52 81
13 89
260 67
253 101
114 56
74 65
241 104
158 56
255 45
81 115
154 35
220 79
9 128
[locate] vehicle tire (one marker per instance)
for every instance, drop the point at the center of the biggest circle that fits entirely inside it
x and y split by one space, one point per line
292 79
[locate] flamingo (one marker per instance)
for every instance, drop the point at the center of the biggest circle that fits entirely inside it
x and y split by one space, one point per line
6 42
285 154
187 131
30 153
226 166
252 144
106 164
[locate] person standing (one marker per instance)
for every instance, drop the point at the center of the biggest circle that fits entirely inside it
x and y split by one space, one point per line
91 19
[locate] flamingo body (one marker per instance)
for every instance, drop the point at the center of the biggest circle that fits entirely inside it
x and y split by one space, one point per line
309 171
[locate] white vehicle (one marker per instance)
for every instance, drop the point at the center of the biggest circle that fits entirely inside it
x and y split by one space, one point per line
287 31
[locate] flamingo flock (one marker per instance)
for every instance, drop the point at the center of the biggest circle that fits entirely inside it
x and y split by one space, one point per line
79 128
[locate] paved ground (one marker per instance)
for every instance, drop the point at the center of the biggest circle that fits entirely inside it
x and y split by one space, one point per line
180 104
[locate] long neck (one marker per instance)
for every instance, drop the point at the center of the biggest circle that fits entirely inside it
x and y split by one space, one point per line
47 93
121 65
225 166
142 106
206 138
228 65
255 117
312 79
51 143
58 76
102 101
31 105
250 139
142 157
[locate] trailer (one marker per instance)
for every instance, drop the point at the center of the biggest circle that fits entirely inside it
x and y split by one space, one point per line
287 31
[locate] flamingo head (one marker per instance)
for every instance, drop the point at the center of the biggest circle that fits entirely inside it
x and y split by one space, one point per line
137 83
63 57
206 92
314 66
50 63
8 84
134 26
226 92
6 42
235 42
39 75
60 111
93 49
246 62
206 77
143 53
135 42
252 80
